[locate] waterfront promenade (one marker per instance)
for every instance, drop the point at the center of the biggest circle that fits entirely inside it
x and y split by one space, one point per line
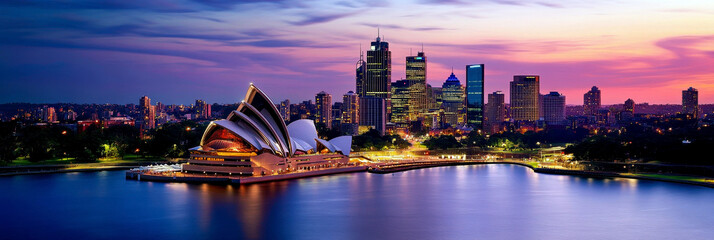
372 166
66 168
197 178
398 166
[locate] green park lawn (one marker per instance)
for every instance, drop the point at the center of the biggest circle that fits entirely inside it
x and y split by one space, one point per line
673 177
58 161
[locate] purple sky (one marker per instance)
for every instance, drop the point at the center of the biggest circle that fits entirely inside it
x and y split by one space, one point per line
177 51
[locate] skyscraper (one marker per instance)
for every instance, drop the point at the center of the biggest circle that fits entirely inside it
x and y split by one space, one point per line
630 105
202 109
416 75
323 106
435 98
591 101
350 108
554 108
49 114
378 74
474 95
690 102
284 109
160 107
452 99
400 103
360 74
147 113
628 112
525 91
350 113
495 112
416 67
372 113
336 115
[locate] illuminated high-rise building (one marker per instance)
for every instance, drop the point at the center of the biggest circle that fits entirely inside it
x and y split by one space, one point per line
202 109
554 108
378 76
148 113
418 96
474 95
690 102
350 113
379 70
630 105
336 115
144 102
372 113
452 101
495 112
284 109
628 112
591 101
435 97
49 114
525 93
350 108
323 107
160 107
416 67
401 91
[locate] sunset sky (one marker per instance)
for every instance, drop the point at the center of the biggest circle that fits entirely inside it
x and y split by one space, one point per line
176 51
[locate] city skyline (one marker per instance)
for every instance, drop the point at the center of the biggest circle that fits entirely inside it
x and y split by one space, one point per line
161 50
373 119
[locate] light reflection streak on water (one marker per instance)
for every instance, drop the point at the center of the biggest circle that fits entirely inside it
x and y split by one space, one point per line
464 202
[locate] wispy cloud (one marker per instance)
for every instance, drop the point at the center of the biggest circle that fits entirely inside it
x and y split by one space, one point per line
441 2
158 5
394 26
309 19
550 5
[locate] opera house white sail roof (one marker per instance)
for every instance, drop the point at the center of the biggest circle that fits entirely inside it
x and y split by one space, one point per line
256 126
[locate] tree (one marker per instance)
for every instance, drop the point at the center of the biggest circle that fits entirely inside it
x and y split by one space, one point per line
38 143
327 133
122 138
8 142
474 139
371 140
87 145
174 139
442 142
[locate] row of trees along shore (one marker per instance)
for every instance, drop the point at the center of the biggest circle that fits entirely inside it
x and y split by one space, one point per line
40 143
681 144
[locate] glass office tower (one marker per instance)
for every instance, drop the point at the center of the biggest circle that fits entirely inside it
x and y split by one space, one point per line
474 96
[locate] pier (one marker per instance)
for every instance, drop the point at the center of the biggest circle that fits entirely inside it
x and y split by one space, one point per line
237 180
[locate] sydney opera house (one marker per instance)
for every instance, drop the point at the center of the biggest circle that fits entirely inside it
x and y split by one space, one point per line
253 141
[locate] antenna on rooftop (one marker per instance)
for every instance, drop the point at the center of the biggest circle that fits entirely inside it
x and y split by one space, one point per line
361 54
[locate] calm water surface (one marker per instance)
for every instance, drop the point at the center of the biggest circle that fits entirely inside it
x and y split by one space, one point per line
462 202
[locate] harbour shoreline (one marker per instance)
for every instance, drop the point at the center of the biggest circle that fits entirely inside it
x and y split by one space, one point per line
51 169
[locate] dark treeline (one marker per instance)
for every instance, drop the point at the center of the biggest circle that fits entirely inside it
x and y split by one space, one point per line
371 140
508 140
39 143
680 145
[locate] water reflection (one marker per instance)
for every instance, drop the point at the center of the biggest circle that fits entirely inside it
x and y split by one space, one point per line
464 202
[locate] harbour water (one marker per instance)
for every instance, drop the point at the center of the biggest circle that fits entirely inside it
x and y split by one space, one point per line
455 202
